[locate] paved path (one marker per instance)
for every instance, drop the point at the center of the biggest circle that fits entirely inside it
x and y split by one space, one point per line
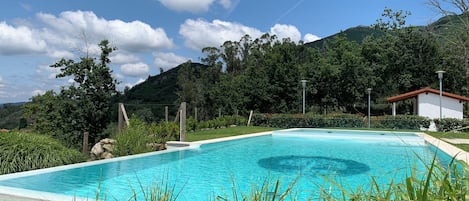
456 140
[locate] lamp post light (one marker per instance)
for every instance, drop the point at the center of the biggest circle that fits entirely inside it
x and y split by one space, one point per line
303 83
440 77
369 106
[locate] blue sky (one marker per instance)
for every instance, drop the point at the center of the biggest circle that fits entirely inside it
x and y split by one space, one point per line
154 34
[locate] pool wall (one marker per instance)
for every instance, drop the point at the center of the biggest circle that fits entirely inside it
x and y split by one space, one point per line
16 194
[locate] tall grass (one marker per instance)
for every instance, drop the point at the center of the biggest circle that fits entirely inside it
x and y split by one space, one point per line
269 190
27 151
436 183
132 140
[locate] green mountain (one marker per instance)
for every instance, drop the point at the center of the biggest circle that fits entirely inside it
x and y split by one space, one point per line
357 34
148 99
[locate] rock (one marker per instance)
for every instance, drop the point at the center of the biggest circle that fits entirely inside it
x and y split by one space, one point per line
102 149
106 155
108 147
97 149
106 141
156 146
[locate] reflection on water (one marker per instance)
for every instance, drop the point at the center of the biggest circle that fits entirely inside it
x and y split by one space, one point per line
313 165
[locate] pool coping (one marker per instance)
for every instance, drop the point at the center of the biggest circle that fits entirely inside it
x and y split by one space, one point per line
17 194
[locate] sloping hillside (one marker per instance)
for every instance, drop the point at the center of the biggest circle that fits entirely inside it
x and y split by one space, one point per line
357 34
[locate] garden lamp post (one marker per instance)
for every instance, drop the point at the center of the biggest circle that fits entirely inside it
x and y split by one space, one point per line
440 77
369 106
303 83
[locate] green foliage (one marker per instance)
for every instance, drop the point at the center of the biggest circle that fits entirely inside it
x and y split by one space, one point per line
449 124
219 122
10 116
140 136
28 151
401 122
133 139
83 106
437 182
268 190
308 120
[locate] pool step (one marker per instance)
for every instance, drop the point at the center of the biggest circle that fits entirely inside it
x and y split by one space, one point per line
177 144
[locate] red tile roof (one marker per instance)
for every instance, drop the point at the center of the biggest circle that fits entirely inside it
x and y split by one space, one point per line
425 90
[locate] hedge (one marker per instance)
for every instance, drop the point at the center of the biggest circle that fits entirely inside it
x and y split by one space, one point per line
308 120
339 121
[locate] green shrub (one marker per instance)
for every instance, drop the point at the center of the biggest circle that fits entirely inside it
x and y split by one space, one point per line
449 124
344 121
140 136
163 132
401 122
307 120
28 151
219 122
133 139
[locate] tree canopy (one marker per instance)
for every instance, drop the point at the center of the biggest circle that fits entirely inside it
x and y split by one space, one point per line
81 107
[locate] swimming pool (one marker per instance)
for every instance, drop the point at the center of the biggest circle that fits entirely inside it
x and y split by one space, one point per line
205 170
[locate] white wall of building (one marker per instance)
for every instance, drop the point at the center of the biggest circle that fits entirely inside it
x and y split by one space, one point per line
429 106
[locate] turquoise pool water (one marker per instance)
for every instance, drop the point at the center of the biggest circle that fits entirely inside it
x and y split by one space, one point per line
211 170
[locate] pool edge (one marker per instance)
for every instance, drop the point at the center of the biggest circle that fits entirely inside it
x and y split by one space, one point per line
448 148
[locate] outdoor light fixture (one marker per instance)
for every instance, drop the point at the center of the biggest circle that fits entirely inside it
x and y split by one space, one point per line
369 108
440 77
303 83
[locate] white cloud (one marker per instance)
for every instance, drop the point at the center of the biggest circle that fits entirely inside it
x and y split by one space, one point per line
286 31
199 6
47 71
135 69
2 86
19 40
2 83
59 54
132 36
310 38
130 85
226 3
200 33
168 60
59 36
38 92
122 58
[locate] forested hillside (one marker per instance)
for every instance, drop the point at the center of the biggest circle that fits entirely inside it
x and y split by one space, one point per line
263 74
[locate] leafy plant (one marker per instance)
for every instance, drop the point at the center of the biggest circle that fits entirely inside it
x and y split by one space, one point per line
133 139
28 151
402 122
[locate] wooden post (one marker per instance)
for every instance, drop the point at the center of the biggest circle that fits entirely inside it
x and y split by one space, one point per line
85 143
250 117
182 122
195 114
124 114
166 113
120 119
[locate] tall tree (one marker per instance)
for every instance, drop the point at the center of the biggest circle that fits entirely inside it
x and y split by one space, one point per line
457 12
90 94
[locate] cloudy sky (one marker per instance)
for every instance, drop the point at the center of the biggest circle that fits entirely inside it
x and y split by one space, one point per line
154 34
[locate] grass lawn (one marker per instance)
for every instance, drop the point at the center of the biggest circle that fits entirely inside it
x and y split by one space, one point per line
450 135
241 130
225 132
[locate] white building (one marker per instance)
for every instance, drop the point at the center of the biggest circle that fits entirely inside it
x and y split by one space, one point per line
428 103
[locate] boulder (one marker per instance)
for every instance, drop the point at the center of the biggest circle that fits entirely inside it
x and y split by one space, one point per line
103 149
